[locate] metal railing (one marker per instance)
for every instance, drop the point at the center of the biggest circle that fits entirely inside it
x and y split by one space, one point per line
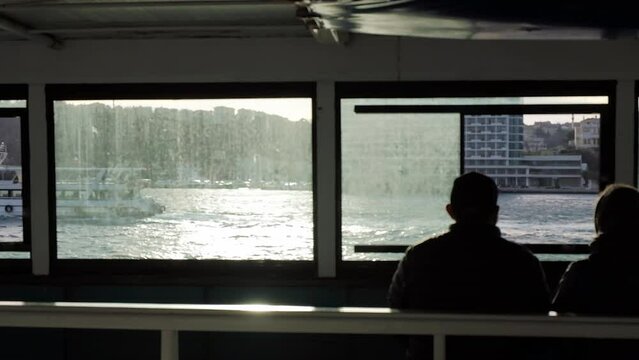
170 319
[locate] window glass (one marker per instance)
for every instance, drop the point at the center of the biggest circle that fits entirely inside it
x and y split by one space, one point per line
564 100
547 169
184 179
14 255
397 172
11 222
13 103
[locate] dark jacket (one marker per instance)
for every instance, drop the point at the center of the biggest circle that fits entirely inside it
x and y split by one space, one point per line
469 269
607 283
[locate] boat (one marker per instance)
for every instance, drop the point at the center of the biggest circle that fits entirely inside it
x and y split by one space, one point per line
103 192
82 192
10 186
10 191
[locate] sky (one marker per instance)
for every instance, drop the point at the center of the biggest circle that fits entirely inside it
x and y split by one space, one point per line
291 108
561 118
557 118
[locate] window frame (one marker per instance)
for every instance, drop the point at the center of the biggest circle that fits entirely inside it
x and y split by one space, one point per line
159 270
479 89
20 92
635 113
14 92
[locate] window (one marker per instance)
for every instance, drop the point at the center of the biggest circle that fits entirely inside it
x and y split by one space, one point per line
549 155
186 177
396 175
14 239
552 180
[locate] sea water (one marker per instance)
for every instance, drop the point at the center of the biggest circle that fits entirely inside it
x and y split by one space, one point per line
278 225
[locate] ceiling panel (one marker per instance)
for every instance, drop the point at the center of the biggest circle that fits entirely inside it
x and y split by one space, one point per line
135 18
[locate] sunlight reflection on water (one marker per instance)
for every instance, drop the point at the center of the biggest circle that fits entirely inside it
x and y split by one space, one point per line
271 224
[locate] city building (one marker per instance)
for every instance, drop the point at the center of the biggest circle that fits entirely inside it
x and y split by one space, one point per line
587 134
532 141
494 145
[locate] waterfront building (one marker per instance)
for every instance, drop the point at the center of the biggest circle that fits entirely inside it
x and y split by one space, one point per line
494 145
587 134
532 141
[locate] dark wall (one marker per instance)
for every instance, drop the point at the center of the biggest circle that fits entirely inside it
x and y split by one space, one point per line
68 344
71 344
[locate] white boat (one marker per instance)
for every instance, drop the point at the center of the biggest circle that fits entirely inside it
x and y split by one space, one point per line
10 186
102 192
100 196
10 191
82 192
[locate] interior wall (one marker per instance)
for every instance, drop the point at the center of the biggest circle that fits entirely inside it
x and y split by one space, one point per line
303 59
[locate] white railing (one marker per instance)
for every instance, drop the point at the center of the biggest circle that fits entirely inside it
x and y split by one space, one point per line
172 318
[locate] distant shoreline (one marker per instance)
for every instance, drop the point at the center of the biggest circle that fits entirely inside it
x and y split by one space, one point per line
547 191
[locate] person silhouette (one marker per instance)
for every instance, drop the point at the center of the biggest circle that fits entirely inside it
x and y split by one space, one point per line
470 269
607 282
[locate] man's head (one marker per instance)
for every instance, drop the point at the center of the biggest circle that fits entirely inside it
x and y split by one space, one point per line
473 199
617 209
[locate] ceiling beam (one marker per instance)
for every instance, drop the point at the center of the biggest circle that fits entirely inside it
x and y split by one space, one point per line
136 4
170 28
9 25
